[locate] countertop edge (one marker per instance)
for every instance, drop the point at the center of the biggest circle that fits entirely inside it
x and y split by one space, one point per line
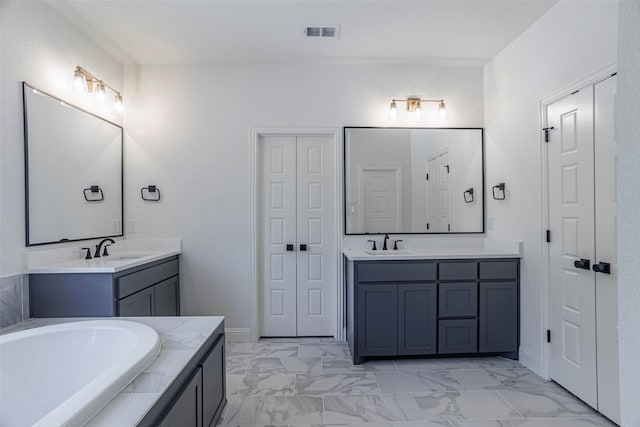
61 269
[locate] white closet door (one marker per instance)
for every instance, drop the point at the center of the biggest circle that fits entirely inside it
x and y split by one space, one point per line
277 229
317 266
606 285
571 213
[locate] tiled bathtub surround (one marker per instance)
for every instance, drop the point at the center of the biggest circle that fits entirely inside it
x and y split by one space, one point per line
14 299
312 381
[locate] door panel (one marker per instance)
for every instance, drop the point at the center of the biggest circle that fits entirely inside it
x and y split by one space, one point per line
606 286
317 266
571 213
277 204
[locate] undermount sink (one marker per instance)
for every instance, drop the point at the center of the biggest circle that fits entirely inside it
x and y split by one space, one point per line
390 252
124 257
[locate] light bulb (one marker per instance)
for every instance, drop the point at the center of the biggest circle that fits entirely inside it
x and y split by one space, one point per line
79 80
418 113
442 111
393 110
100 91
118 104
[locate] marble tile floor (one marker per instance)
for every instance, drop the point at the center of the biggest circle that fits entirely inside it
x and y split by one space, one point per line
311 382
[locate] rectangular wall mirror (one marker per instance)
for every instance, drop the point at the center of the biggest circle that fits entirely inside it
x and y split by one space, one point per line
73 162
413 180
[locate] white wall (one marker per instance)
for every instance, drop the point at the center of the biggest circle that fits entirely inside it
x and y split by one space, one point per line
564 46
628 177
40 47
189 132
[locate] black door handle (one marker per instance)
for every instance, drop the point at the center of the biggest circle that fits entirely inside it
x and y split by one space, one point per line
585 264
289 248
602 267
303 248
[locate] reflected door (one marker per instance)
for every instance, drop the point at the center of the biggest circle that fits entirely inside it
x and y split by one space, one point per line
382 200
298 264
438 194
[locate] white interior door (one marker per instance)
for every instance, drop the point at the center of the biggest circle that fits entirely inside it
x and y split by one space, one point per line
317 266
298 264
277 226
438 194
606 284
382 199
571 215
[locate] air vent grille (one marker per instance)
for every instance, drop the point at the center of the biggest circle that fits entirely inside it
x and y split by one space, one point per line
328 31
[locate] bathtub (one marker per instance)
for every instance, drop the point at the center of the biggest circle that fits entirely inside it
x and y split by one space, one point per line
62 375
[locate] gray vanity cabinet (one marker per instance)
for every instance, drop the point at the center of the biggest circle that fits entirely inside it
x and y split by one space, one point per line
431 307
148 290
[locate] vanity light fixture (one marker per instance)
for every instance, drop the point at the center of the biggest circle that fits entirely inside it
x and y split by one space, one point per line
84 80
414 107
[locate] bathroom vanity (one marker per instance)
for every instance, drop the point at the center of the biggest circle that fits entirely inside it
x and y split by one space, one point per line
126 283
432 303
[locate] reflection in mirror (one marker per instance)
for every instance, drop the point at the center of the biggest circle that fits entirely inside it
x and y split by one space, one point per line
414 180
73 172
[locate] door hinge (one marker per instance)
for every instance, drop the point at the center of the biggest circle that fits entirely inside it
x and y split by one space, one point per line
548 236
427 226
546 133
447 166
427 177
548 335
448 227
574 92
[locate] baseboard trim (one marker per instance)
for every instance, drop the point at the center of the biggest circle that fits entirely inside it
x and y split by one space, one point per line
530 360
238 334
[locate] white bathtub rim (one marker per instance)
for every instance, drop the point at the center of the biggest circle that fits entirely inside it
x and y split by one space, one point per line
94 396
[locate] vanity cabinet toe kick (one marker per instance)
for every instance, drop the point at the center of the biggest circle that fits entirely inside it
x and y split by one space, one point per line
432 307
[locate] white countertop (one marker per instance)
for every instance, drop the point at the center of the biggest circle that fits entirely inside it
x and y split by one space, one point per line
428 253
181 338
124 254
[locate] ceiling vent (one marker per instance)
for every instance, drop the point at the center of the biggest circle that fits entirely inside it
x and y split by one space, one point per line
326 31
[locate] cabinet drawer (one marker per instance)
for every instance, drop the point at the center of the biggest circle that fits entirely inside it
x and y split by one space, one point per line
458 270
458 299
394 271
457 336
134 282
499 269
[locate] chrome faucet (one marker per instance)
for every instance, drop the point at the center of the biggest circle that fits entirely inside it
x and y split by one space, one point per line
384 244
99 246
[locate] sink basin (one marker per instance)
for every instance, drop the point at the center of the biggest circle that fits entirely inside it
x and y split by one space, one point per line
124 257
389 252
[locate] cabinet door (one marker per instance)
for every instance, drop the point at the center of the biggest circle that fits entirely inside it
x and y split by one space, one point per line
187 409
138 304
166 297
417 319
377 320
498 317
458 336
213 383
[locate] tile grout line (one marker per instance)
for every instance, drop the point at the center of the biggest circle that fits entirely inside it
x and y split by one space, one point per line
504 399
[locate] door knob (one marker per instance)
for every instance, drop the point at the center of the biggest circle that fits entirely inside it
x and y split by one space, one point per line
602 267
289 248
585 264
303 248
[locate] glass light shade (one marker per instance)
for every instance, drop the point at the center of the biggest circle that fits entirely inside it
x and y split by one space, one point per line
100 91
442 110
418 112
118 104
393 110
79 80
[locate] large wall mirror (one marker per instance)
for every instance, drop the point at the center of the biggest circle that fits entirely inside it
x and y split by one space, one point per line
73 162
413 180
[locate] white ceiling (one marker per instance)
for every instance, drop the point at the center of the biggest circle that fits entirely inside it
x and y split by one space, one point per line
188 32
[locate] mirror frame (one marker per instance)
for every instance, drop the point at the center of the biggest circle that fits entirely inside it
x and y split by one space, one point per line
26 86
344 180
